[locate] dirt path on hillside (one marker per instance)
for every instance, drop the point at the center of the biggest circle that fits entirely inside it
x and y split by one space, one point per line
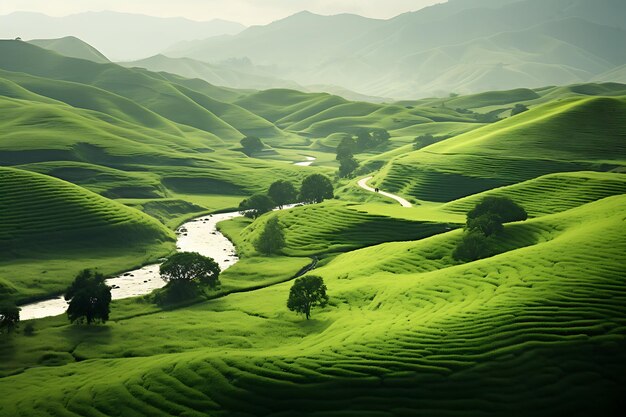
363 184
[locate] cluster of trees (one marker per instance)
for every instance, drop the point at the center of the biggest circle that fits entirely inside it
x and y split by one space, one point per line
251 145
518 109
427 140
368 139
89 302
185 273
345 155
490 117
314 189
485 221
90 297
349 146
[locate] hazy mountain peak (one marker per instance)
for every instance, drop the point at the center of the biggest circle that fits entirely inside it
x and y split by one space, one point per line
134 36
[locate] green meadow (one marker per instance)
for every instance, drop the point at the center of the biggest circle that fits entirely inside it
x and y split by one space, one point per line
101 163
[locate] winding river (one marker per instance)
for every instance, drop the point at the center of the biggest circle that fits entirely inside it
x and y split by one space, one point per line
309 161
198 235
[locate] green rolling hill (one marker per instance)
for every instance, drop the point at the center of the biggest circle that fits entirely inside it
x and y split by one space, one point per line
51 229
571 135
406 330
560 192
72 47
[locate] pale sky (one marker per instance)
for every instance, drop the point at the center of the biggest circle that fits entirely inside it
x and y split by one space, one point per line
248 12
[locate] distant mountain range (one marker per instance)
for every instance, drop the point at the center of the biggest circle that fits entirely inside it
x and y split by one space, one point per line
238 73
462 46
119 36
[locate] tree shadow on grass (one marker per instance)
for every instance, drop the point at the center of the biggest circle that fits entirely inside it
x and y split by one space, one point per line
8 347
94 334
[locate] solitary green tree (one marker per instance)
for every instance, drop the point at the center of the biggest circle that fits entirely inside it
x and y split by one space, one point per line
316 188
9 316
272 238
189 269
283 192
307 292
256 206
251 144
89 298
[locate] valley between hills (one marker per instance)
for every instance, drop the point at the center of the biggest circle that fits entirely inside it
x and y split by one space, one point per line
100 165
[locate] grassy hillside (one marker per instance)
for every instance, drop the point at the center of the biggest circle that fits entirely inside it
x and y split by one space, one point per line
50 229
72 47
112 141
552 193
334 227
160 97
405 333
561 136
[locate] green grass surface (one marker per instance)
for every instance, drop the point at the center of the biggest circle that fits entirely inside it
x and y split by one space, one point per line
332 227
51 229
552 193
406 330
